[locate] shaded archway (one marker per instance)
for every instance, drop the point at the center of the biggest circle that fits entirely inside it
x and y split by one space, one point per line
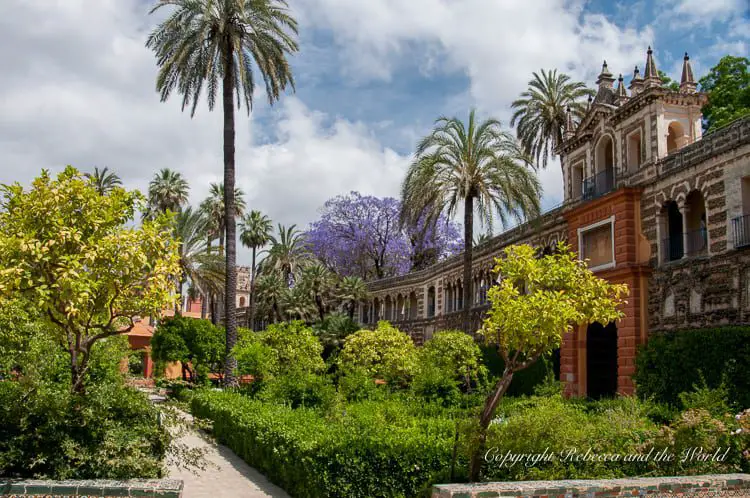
604 170
376 310
413 306
400 308
696 234
601 360
388 315
431 302
673 242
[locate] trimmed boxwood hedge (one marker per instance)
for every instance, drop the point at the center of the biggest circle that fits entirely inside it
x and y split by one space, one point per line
672 362
370 450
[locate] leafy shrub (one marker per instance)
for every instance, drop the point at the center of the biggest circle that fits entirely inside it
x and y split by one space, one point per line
254 358
356 384
457 354
112 432
385 353
373 449
436 384
300 389
714 401
671 363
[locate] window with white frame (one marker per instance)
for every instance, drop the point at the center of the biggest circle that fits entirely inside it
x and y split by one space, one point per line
596 243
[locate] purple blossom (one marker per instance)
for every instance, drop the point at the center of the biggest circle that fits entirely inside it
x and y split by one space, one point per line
360 235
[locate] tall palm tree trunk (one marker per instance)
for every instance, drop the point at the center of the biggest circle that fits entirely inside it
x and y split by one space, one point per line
468 239
251 311
230 289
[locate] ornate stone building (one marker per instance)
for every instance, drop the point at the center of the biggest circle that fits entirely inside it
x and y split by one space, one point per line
649 201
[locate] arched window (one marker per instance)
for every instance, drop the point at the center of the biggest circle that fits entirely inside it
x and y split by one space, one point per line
603 180
431 302
242 302
676 138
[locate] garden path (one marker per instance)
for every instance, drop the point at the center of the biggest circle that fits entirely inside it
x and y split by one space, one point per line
226 475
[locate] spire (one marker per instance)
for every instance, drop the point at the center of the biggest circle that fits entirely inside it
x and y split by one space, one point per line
687 82
570 130
651 75
636 84
622 94
605 79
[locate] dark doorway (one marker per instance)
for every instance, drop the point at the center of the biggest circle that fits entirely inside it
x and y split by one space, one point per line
601 360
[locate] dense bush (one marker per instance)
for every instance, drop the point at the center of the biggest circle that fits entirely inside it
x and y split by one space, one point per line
356 384
385 353
457 354
332 331
299 389
281 348
112 432
373 449
672 363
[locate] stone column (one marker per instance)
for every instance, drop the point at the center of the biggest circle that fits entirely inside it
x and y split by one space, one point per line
659 237
685 211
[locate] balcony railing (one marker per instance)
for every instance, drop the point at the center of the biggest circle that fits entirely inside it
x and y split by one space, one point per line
672 249
741 228
697 242
598 185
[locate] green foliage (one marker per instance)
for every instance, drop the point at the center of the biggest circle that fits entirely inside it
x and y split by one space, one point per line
280 349
672 363
197 344
356 384
369 449
713 400
333 330
385 353
525 381
300 389
111 433
436 384
540 299
457 354
728 88
70 252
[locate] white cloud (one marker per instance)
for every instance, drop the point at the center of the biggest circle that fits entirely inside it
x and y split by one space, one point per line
705 11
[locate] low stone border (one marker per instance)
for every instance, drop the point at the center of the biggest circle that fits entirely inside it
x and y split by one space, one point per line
707 485
161 488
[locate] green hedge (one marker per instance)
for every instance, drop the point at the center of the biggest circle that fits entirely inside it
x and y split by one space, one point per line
671 363
366 449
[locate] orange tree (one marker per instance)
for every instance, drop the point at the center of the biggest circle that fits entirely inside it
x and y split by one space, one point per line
537 301
74 254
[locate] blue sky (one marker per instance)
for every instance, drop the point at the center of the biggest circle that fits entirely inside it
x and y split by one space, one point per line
77 86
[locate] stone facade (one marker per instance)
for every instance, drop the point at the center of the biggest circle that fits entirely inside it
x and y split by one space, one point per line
162 488
649 201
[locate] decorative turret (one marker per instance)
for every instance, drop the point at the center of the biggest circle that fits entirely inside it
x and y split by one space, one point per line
651 75
622 94
605 79
687 82
570 129
636 84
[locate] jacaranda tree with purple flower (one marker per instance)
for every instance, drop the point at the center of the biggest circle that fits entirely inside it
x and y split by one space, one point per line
360 235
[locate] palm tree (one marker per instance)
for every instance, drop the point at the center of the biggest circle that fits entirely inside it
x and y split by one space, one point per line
205 41
168 191
540 112
213 207
104 180
318 281
462 164
255 232
204 270
271 291
288 252
352 290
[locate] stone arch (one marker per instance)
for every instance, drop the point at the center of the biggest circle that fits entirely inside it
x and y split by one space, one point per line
676 136
431 299
413 305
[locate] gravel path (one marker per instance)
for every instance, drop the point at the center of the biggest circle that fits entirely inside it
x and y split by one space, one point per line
225 475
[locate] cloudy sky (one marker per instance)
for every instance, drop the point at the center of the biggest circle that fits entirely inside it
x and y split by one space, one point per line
77 86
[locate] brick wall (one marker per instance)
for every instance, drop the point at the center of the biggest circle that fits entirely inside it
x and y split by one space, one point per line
155 488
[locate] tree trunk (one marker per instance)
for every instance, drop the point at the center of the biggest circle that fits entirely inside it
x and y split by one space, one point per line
468 241
178 301
251 311
351 310
230 284
321 309
78 362
204 306
475 465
